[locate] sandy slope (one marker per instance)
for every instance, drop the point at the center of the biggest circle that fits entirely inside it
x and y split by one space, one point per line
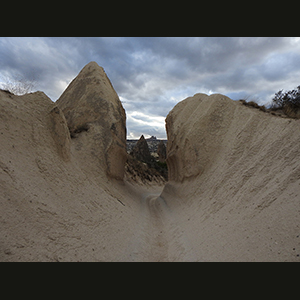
233 193
51 209
234 187
60 200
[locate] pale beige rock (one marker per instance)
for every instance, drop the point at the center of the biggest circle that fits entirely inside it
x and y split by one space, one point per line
53 205
60 133
96 118
234 182
195 129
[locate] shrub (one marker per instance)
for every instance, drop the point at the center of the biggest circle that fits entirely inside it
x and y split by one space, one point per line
253 104
288 101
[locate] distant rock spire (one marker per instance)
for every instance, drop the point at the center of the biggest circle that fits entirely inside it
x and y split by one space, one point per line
152 138
141 150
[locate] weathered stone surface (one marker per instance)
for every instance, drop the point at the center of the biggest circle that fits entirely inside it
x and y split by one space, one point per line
141 150
161 151
96 117
195 128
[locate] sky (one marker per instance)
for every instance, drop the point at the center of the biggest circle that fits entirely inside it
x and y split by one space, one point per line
152 74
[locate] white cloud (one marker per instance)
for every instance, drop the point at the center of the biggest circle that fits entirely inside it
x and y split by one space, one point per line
139 123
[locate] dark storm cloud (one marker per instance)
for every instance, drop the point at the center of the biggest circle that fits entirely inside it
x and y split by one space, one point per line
152 74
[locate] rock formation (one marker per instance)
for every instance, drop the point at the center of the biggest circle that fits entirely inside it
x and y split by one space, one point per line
162 152
143 166
97 120
234 175
195 129
59 199
205 129
232 195
152 138
141 151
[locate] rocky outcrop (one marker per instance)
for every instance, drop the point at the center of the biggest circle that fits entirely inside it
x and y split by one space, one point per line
195 129
56 201
162 152
142 166
204 130
234 172
141 151
96 120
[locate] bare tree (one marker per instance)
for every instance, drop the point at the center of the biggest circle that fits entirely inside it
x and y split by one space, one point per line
18 87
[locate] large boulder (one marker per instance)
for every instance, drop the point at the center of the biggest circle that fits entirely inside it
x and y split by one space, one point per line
96 120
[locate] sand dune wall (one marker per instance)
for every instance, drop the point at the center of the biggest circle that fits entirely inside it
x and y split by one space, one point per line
215 134
54 205
234 179
62 197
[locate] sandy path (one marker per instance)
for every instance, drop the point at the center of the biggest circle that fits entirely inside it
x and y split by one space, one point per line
162 235
149 242
159 242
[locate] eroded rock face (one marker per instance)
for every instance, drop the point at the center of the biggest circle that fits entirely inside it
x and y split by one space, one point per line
141 150
59 132
195 127
162 152
96 120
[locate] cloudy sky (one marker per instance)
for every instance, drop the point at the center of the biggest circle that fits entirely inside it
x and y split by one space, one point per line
152 74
